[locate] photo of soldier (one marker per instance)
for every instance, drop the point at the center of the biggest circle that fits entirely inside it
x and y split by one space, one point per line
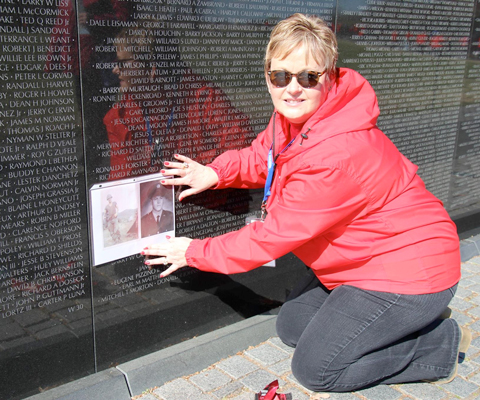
111 219
119 215
157 209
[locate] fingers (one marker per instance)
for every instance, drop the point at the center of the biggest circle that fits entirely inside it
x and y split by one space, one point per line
186 193
156 261
155 249
174 166
172 182
182 161
174 169
179 169
179 182
162 262
172 253
155 255
170 172
169 270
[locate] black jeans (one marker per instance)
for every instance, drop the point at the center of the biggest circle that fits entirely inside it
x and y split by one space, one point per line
349 338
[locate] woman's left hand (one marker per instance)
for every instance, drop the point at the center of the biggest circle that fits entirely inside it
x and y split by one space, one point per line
173 252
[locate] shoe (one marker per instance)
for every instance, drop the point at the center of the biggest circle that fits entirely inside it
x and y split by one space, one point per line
447 313
465 340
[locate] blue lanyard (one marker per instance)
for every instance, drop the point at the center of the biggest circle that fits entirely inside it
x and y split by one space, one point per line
271 170
271 164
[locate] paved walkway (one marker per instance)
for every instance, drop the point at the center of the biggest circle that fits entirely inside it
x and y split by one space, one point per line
240 376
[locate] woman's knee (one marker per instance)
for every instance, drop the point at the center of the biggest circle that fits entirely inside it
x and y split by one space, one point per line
285 330
295 315
310 373
318 366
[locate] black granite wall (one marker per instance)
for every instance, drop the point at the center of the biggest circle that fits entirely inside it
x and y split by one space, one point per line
190 81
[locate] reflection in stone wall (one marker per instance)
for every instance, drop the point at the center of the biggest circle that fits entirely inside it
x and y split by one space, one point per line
43 209
465 191
101 90
415 55
44 262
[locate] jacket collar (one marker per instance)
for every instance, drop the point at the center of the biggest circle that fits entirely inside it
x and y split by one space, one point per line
351 105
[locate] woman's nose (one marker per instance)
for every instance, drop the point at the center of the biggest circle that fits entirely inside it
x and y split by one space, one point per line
293 86
116 70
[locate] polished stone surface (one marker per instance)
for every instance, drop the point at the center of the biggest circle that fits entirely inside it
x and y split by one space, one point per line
192 82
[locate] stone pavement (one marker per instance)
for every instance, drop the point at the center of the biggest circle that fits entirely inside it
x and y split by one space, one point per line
241 375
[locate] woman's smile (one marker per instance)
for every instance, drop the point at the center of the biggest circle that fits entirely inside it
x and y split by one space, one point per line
295 102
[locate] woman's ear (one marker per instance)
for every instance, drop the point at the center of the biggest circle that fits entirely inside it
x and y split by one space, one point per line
267 81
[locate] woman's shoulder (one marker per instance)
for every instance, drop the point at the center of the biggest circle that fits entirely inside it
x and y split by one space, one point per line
347 146
356 153
368 157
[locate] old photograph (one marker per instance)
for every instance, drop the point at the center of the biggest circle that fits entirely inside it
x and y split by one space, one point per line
127 214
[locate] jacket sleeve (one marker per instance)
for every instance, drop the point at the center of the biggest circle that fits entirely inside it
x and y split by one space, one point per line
312 202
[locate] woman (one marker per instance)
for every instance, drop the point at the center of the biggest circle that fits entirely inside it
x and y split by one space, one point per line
383 251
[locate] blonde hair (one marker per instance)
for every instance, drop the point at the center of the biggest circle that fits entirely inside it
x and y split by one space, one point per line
303 30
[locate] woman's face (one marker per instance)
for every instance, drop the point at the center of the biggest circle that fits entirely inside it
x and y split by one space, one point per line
293 101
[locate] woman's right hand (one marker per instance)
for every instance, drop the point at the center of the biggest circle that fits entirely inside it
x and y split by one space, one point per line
189 173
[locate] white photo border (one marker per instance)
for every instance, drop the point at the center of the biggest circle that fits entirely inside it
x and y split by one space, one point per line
103 252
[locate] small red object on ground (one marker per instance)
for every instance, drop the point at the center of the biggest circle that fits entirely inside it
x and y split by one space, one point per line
270 393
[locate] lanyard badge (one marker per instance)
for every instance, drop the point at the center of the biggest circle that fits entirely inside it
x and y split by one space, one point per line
268 184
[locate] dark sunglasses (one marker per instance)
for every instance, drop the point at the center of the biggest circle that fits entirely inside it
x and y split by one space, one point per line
306 79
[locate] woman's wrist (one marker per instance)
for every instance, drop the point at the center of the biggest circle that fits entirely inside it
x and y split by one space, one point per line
213 176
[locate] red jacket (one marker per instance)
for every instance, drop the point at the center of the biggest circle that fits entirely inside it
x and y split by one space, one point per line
345 201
